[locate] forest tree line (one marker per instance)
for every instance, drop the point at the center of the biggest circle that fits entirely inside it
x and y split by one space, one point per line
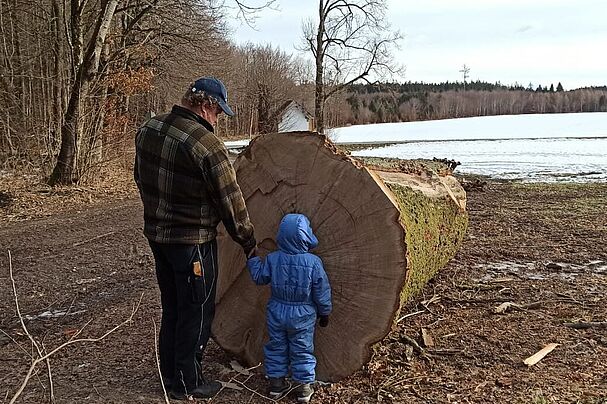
396 102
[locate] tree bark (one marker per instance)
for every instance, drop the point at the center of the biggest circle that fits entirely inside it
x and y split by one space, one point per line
382 235
65 170
319 89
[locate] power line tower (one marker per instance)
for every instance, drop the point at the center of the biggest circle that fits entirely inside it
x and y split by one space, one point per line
465 70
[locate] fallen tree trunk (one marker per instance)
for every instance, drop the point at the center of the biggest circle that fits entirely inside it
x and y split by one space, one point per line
382 235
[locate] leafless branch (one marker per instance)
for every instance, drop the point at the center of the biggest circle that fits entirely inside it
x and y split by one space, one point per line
43 354
352 41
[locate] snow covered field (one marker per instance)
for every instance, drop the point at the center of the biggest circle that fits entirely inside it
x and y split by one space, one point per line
486 127
538 147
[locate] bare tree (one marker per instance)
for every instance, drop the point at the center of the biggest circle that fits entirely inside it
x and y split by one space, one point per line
85 63
104 39
350 41
270 82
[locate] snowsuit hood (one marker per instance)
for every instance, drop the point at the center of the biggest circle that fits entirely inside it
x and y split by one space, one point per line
295 235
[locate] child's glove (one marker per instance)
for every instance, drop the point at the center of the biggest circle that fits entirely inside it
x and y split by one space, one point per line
324 321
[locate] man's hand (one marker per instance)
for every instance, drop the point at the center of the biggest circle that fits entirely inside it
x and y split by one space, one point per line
252 253
324 321
250 248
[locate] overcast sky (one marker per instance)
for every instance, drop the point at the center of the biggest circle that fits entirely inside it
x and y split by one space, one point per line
537 41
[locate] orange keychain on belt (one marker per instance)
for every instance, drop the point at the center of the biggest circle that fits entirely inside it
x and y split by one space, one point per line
197 269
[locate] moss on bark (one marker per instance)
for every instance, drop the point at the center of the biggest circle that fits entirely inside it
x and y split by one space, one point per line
434 230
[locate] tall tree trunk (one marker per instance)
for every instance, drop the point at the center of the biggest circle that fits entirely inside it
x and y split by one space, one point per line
319 96
263 109
65 170
58 72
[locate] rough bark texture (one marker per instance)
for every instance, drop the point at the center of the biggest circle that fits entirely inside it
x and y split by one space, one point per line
382 235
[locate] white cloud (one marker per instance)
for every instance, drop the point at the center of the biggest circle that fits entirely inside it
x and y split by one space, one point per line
506 40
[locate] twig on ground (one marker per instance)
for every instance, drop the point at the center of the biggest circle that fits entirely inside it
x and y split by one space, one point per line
418 394
427 303
414 344
43 356
50 373
476 301
479 286
256 392
164 390
385 384
93 239
410 315
16 343
569 297
506 306
243 384
34 343
446 352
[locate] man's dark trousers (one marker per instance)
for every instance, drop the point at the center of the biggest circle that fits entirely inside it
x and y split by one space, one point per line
187 294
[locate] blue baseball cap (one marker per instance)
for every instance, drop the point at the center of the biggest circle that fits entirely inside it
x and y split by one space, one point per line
214 88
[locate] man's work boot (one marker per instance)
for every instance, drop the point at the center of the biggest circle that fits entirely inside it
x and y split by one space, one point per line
279 387
304 393
208 389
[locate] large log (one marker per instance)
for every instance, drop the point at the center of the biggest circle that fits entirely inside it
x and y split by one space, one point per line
382 235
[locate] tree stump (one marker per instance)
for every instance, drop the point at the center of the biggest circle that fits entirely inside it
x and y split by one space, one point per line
382 235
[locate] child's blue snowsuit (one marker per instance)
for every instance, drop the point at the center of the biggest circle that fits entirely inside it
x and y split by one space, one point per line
300 291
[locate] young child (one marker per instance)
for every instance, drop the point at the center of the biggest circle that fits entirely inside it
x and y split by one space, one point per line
300 293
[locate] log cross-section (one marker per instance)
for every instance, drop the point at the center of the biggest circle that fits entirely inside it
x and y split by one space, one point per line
374 261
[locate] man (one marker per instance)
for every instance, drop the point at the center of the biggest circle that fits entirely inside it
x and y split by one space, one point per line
188 185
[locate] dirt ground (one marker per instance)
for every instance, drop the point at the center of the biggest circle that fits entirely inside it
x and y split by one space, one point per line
80 260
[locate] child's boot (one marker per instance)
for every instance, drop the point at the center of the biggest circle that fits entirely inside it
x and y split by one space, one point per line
304 393
279 387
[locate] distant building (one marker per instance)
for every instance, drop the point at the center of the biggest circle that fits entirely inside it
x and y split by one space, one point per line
293 117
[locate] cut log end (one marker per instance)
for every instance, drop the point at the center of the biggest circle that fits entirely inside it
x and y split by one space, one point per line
379 242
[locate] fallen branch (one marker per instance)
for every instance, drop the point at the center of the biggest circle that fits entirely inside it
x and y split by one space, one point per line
585 325
43 355
93 239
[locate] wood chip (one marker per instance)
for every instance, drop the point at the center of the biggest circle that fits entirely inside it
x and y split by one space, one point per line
539 355
508 306
428 340
238 368
504 307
